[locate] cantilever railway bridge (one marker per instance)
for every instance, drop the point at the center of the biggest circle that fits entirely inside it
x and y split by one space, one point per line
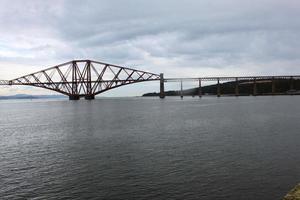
87 78
83 78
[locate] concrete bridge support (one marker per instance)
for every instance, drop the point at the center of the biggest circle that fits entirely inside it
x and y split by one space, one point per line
218 88
89 97
162 86
254 87
74 97
236 87
181 89
77 97
291 83
200 89
273 86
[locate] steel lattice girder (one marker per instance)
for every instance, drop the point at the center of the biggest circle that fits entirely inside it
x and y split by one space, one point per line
84 77
4 82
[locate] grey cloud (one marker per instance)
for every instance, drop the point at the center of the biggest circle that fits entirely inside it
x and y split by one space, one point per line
247 33
162 34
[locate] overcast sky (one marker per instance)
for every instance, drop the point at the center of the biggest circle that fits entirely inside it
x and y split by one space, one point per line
190 38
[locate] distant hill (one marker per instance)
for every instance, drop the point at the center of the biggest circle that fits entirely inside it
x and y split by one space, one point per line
264 87
26 96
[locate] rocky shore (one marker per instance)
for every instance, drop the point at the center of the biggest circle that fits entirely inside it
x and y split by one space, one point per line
294 194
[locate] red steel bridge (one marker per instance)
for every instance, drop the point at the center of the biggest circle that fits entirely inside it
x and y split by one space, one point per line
83 78
87 78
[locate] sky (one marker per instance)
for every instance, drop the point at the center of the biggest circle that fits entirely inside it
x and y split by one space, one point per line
189 38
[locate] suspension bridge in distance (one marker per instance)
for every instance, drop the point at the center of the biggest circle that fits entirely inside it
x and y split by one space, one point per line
87 78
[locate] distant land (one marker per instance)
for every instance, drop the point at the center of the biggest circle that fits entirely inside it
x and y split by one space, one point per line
27 96
264 87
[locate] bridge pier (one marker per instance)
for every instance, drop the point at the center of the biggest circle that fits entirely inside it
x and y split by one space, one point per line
254 87
273 86
291 83
236 87
200 88
218 88
162 86
74 97
181 89
89 97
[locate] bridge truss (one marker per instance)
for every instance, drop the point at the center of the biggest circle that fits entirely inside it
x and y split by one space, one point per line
83 78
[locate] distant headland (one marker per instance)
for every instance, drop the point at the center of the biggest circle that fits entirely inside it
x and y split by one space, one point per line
27 96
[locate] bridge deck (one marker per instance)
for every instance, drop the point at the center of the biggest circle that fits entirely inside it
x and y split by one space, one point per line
221 78
232 78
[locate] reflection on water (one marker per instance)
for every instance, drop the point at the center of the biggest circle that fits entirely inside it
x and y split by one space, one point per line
144 148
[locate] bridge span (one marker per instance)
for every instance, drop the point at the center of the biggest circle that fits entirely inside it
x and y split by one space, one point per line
87 78
83 78
238 81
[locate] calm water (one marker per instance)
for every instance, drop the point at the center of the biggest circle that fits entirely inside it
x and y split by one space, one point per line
226 148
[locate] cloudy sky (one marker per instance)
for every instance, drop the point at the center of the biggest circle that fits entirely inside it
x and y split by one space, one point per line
190 38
